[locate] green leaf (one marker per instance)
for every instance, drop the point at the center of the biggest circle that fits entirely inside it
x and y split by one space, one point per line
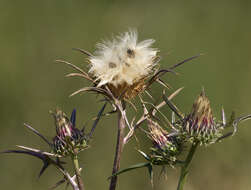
136 166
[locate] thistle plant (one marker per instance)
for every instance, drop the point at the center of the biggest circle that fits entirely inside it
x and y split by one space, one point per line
122 71
68 141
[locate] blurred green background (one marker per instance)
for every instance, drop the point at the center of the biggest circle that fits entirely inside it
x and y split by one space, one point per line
35 33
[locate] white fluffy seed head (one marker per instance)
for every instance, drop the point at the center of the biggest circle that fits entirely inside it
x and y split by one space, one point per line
123 60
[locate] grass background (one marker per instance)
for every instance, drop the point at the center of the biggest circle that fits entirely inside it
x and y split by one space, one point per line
35 33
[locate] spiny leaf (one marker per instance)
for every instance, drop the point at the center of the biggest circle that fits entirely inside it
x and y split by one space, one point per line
75 67
175 93
163 83
224 136
184 61
45 166
155 109
173 107
73 117
158 75
238 120
97 120
79 75
136 166
93 89
242 118
169 98
45 159
37 133
83 51
38 151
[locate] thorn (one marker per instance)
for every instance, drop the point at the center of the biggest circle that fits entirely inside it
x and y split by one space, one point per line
224 136
37 133
82 51
45 166
184 61
203 93
73 117
173 117
45 159
97 120
223 117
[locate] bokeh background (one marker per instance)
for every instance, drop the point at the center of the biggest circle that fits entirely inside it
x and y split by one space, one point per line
35 33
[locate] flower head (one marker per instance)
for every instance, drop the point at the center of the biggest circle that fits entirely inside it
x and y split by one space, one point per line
158 135
123 64
64 127
200 123
69 139
165 148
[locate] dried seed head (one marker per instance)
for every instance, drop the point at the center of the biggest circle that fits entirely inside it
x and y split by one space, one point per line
200 124
123 64
126 91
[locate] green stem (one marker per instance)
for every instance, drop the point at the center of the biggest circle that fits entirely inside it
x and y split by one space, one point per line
77 172
185 167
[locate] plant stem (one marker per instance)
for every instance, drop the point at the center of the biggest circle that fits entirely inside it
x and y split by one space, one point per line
185 167
77 172
118 151
68 177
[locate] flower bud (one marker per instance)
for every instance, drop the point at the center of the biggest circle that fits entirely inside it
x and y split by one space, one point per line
69 139
200 123
64 127
158 135
165 148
